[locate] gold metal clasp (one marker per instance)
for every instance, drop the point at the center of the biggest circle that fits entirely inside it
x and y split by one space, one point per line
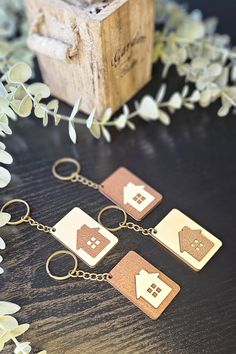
121 224
64 161
17 201
69 273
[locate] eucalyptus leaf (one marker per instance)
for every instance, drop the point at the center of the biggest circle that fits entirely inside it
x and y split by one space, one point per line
4 219
8 308
164 118
72 132
76 108
57 119
39 110
39 89
19 330
5 177
95 130
91 118
106 134
2 243
106 116
53 105
25 107
148 108
8 322
20 73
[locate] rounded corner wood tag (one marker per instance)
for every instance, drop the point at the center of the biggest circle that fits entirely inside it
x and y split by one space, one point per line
186 239
143 284
84 236
131 193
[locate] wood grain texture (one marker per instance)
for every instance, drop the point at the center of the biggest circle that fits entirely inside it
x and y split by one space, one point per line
112 50
193 163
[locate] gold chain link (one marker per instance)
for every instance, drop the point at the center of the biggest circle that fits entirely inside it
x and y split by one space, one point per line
137 228
40 227
90 276
75 177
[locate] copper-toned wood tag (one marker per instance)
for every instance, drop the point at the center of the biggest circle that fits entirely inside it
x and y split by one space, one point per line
82 235
132 194
186 239
143 284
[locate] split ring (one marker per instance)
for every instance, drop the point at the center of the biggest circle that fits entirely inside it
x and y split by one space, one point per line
15 201
61 277
65 160
109 207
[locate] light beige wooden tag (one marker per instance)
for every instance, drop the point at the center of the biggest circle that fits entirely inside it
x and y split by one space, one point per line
186 239
132 194
143 284
82 235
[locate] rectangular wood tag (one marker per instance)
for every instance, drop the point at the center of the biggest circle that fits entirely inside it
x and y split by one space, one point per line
143 284
132 194
186 239
82 235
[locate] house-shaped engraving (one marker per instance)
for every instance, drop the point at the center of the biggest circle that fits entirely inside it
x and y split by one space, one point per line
151 288
137 196
194 243
91 241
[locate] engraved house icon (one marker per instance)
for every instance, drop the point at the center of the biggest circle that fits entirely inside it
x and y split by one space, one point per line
194 243
137 197
91 241
151 288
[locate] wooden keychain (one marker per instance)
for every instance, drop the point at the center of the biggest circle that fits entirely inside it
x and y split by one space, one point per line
143 284
77 231
122 187
178 233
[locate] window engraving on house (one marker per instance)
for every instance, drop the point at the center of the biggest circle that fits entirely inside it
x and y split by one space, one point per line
139 198
93 243
154 290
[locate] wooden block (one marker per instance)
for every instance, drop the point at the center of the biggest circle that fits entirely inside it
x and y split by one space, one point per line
143 284
82 235
102 51
186 239
131 193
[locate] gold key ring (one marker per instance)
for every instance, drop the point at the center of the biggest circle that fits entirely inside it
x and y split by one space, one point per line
56 254
109 207
15 201
65 160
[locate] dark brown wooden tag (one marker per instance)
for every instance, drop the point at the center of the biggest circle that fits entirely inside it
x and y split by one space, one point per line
132 194
143 284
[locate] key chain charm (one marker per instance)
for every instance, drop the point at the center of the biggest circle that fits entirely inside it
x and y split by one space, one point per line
122 187
139 281
181 235
77 231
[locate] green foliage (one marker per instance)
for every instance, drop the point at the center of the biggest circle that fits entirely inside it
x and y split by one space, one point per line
10 329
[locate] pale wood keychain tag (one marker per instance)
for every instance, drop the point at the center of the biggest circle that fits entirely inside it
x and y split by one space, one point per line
135 278
123 188
186 239
77 231
178 233
84 236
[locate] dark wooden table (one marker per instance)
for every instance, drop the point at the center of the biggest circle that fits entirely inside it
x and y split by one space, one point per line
193 164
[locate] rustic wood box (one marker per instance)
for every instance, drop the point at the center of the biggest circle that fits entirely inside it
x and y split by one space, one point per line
101 51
